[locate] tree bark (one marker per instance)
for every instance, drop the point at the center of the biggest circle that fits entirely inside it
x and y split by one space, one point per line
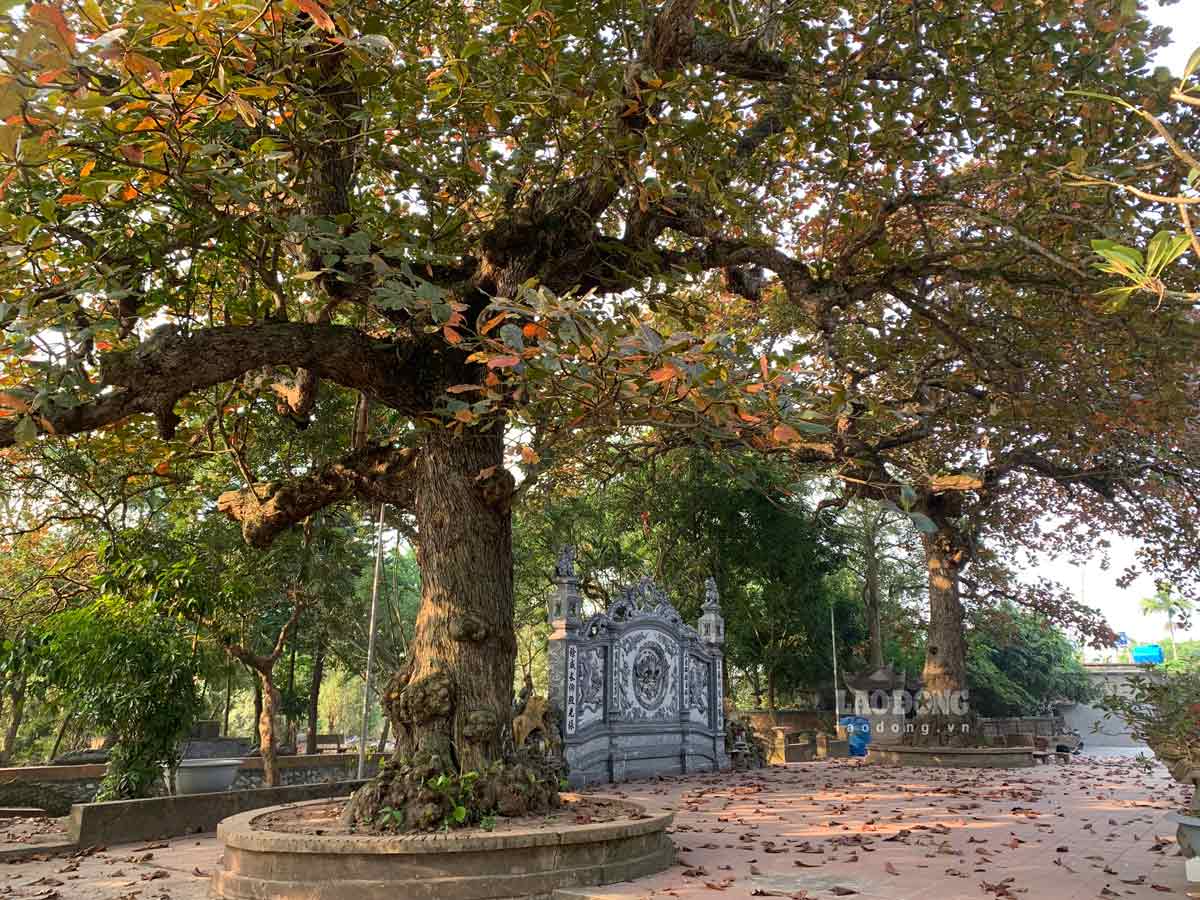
450 706
314 696
771 692
459 693
944 716
266 729
17 694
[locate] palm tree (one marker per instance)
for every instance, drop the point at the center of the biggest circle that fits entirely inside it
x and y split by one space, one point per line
1177 609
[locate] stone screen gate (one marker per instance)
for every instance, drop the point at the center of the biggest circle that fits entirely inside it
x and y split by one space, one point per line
640 692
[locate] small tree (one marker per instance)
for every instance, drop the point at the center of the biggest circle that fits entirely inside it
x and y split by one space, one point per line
130 673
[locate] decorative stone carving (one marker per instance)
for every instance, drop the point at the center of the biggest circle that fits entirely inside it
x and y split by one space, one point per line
697 689
565 567
641 690
712 623
591 687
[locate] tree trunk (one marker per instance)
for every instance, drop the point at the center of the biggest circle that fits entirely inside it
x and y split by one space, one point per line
266 729
314 696
771 692
871 599
58 738
228 699
16 718
258 698
942 716
291 732
383 735
459 693
450 707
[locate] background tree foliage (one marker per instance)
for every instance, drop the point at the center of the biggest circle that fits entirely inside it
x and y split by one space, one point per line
844 234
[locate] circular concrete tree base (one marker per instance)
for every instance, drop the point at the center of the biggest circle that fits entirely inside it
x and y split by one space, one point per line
504 865
953 757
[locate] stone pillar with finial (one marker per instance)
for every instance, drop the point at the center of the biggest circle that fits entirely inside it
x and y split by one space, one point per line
563 610
712 623
712 632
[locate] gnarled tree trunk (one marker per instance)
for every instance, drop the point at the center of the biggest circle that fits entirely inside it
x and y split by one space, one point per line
944 716
450 708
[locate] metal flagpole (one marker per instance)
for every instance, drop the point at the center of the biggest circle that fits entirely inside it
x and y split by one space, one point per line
366 706
837 694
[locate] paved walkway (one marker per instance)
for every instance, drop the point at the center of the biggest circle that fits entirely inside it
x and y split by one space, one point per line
1094 829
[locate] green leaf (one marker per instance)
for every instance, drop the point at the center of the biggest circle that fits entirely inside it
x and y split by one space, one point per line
26 431
460 814
1193 63
923 523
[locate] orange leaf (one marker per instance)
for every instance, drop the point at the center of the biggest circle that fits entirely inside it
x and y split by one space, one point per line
52 16
162 468
502 362
492 323
68 199
785 434
317 14
666 373
529 455
762 365
451 335
87 168
462 388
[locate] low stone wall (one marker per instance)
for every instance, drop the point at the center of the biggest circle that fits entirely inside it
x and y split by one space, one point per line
952 757
525 863
763 721
1038 726
304 769
50 787
78 784
156 818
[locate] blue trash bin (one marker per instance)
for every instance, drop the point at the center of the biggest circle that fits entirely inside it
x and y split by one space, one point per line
858 733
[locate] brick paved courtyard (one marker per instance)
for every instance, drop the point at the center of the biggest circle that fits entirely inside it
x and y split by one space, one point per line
1094 829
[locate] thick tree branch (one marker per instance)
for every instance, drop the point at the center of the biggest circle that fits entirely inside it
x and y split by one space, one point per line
170 365
377 473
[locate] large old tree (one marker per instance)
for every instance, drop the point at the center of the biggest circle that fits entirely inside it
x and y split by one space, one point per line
565 217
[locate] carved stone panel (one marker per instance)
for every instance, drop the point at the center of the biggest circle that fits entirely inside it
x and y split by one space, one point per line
640 690
647 675
591 687
696 685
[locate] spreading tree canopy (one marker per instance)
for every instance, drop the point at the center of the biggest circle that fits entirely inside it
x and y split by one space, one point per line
837 230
